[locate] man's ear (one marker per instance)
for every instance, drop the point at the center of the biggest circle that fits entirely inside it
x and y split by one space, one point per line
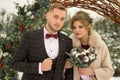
47 14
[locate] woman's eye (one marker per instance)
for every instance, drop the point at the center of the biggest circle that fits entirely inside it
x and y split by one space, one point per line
73 27
80 26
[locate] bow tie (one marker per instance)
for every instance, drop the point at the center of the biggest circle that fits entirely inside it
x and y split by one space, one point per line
54 36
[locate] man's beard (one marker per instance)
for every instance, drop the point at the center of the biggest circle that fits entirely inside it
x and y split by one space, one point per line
51 28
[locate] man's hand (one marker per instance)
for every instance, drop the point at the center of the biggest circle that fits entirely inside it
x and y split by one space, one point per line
46 65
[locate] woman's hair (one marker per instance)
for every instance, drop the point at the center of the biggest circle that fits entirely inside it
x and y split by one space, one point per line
83 17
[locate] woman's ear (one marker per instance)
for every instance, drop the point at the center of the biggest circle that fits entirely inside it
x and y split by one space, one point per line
89 27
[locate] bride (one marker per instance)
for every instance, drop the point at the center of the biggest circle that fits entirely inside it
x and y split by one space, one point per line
83 35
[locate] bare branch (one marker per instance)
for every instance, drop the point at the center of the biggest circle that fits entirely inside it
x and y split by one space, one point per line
107 8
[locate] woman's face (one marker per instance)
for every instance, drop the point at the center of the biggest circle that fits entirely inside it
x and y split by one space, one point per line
79 30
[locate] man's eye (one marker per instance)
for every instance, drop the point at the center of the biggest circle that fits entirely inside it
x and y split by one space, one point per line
62 19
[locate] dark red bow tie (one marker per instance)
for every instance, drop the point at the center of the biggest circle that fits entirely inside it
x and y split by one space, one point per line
54 36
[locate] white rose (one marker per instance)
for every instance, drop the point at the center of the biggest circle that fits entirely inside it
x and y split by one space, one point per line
5 54
74 52
32 17
118 60
77 54
92 56
3 34
83 53
91 49
1 53
86 59
29 13
8 38
86 51
25 8
74 49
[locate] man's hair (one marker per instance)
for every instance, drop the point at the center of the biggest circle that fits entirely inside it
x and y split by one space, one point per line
58 6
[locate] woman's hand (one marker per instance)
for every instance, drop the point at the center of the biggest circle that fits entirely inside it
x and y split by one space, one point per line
86 71
67 64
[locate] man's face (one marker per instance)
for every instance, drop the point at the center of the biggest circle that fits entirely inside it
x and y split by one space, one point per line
55 20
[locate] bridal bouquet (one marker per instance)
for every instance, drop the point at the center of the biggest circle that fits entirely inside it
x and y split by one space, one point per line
82 58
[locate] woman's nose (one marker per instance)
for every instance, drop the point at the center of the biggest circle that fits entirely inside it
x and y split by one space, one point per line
77 30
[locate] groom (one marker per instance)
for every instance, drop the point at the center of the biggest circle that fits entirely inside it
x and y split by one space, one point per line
41 54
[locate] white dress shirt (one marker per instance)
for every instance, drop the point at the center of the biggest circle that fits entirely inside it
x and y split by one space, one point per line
51 46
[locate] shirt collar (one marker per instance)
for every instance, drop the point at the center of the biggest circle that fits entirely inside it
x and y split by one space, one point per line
46 32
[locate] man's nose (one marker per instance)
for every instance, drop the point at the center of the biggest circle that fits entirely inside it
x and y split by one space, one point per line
58 21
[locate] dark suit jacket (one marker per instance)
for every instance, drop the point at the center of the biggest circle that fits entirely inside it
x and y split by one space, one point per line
31 51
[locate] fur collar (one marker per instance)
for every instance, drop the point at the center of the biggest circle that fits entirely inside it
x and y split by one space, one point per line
94 40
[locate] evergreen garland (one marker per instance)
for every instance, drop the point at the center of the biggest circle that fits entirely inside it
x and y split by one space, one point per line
28 17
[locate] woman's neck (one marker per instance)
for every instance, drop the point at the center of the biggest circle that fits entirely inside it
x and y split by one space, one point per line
85 40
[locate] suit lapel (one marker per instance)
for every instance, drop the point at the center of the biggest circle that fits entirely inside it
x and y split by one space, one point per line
41 45
61 57
61 44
